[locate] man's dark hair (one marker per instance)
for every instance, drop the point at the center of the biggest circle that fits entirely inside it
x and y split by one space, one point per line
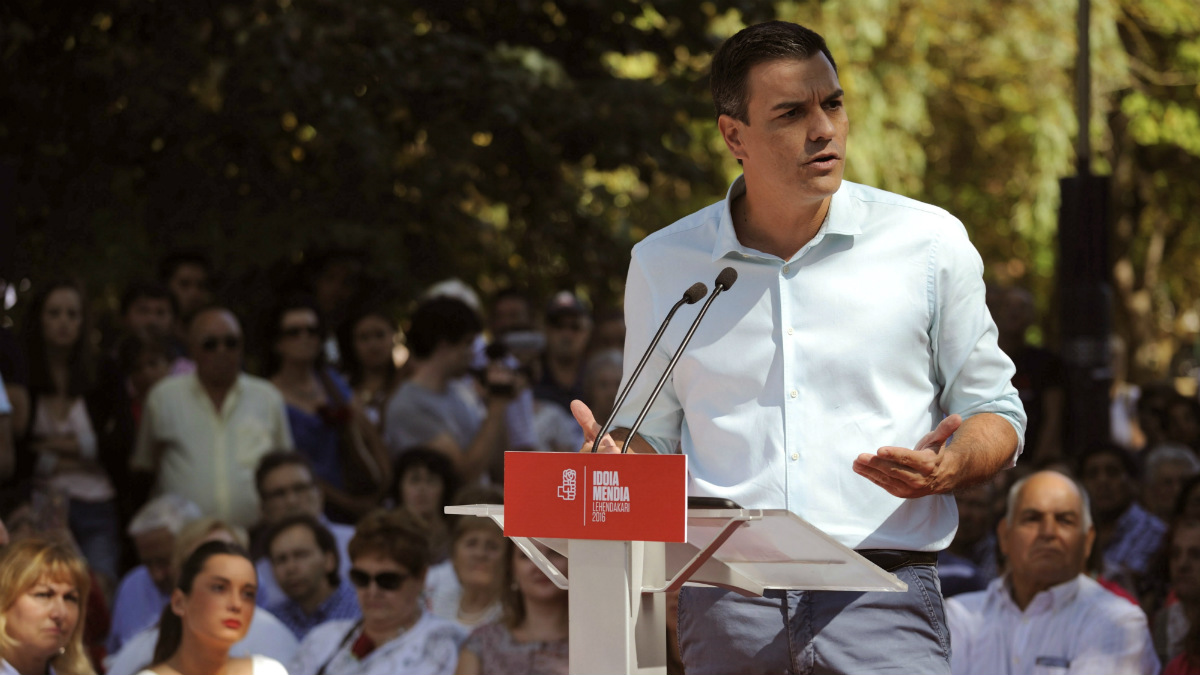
153 290
275 459
324 537
1124 458
173 261
441 320
751 46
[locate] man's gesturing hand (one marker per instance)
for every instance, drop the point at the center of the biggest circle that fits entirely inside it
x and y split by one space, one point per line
587 422
924 470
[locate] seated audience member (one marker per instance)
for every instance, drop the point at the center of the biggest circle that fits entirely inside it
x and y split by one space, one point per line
8 457
608 331
43 599
532 636
188 275
61 446
286 487
304 560
425 483
202 434
969 563
389 556
1127 536
1172 623
1045 613
345 452
148 313
267 635
466 588
366 343
146 589
568 328
1167 468
212 608
428 411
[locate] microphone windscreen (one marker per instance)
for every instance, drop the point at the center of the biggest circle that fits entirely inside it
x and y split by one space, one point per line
693 295
726 278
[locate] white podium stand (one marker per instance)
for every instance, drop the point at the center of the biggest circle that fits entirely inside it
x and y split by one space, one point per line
617 607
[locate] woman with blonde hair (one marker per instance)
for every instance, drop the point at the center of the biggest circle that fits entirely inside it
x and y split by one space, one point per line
43 591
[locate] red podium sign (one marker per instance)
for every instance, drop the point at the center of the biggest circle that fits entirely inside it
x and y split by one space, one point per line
595 496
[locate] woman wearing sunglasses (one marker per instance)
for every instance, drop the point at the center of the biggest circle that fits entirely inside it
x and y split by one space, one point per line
389 555
345 449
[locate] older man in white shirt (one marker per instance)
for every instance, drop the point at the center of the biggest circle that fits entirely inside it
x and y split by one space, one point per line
1045 615
203 434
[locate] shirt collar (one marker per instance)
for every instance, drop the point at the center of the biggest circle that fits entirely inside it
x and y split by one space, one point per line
839 220
1051 599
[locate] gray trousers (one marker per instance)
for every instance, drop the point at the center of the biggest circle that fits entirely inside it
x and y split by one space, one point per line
817 632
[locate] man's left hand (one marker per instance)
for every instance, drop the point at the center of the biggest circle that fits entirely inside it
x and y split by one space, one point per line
913 473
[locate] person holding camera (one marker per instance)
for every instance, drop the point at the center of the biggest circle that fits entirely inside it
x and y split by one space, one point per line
434 408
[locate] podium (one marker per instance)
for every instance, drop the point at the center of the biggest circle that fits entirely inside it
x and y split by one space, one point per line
617 608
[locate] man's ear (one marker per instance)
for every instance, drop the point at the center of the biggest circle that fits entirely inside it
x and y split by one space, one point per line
731 131
1088 541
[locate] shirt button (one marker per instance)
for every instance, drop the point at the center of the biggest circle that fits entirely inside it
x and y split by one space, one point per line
787 268
794 393
795 456
790 331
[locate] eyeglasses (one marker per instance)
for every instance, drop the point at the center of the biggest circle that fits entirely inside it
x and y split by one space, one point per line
214 342
297 331
297 489
387 581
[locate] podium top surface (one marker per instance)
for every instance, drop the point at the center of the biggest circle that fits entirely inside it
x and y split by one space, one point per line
752 550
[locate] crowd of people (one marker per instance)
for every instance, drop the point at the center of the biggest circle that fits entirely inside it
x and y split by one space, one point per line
185 494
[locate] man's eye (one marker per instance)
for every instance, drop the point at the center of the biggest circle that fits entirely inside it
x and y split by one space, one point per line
834 105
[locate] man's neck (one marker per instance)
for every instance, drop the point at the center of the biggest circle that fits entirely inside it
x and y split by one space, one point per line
430 375
1023 591
779 229
217 391
316 598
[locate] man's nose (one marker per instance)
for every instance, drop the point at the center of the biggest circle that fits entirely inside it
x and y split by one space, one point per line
822 127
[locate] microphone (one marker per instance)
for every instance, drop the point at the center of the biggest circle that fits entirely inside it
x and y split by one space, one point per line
725 281
690 297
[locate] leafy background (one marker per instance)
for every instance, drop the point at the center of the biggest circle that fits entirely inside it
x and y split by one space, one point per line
533 142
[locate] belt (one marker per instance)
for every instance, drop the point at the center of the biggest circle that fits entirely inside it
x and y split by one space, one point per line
891 559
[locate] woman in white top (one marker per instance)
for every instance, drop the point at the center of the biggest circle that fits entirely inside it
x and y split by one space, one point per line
43 592
389 555
466 588
60 445
210 610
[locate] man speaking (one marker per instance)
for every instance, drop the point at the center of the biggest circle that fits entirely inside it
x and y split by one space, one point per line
851 376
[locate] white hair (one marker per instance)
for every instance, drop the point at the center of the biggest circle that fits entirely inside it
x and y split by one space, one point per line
1167 453
169 511
1014 493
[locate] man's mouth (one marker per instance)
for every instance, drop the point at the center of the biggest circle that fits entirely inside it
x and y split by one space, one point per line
823 160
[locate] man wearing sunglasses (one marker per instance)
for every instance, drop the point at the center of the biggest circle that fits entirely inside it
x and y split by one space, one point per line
202 434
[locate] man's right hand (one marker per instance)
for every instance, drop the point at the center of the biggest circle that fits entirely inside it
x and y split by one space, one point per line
591 428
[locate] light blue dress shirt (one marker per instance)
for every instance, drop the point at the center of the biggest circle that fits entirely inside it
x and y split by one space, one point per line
868 336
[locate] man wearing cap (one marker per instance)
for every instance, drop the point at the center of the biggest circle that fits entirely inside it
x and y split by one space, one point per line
568 328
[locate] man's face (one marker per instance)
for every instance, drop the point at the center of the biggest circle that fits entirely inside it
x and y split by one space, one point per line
510 314
1107 483
1162 486
1046 543
288 490
216 346
154 550
794 143
567 335
149 317
189 283
1184 559
300 566
456 357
